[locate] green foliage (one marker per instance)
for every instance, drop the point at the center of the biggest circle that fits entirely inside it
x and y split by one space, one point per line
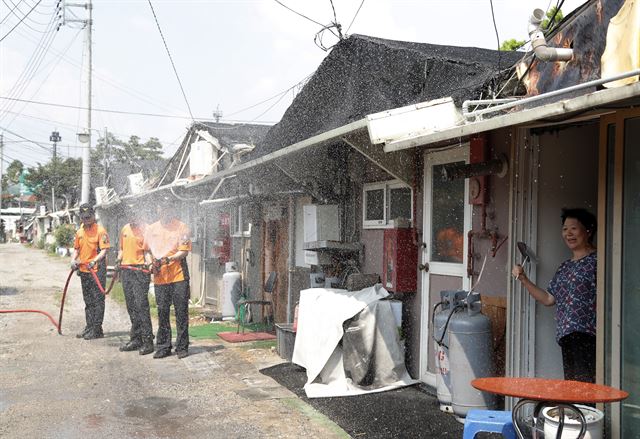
62 175
110 150
64 235
11 175
512 44
51 249
41 243
547 21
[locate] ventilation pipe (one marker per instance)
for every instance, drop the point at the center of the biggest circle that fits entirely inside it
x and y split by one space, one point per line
539 43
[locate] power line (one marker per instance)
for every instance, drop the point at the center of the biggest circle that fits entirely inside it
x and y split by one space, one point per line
335 20
10 11
298 13
354 17
171 59
19 22
495 27
272 97
133 113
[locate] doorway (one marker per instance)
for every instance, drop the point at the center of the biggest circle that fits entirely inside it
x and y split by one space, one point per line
447 219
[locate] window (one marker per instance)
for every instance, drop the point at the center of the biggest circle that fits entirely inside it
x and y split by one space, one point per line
384 203
240 224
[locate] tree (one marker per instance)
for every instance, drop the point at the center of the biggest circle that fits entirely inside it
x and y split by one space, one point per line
63 175
110 150
12 174
512 44
550 13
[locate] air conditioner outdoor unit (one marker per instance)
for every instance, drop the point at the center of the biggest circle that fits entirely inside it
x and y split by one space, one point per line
136 183
102 195
201 159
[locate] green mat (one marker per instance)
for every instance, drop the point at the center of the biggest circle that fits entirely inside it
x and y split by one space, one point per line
210 330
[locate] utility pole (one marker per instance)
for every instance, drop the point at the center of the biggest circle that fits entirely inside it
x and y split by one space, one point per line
84 137
105 163
1 165
55 138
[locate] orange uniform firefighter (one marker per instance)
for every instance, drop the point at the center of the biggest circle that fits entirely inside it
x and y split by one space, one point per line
167 243
135 283
89 254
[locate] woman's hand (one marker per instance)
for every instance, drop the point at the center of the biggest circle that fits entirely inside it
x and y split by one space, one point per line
518 272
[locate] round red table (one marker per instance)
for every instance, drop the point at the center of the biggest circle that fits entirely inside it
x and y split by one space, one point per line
549 392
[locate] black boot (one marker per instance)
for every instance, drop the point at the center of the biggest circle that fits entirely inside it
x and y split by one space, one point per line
147 346
82 333
94 333
131 345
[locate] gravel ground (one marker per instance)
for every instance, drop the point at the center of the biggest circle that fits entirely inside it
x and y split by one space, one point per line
54 386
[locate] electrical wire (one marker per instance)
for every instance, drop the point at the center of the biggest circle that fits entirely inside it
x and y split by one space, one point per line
272 97
19 22
171 59
298 13
335 20
495 27
354 17
10 11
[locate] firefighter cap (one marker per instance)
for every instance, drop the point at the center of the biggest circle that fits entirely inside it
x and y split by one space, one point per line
86 208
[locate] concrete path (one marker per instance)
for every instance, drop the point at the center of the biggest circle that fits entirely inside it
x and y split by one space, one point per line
54 386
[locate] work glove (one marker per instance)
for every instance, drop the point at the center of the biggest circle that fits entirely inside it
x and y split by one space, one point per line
74 265
165 261
117 267
91 264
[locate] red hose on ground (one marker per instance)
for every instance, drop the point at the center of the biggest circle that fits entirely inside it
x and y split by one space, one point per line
64 295
8 311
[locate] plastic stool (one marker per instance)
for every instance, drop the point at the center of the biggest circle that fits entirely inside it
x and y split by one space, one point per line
490 421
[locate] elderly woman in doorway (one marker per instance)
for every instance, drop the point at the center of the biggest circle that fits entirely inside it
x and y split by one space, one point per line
573 291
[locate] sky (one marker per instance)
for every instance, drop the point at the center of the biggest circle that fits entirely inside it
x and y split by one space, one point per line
244 58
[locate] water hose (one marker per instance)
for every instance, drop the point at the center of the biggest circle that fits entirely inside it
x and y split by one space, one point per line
8 311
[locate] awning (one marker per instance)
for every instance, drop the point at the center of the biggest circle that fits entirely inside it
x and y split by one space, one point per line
566 108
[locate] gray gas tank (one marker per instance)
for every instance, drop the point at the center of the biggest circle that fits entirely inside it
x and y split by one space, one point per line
470 357
448 302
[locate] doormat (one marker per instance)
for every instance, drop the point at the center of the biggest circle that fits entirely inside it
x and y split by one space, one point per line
232 337
409 412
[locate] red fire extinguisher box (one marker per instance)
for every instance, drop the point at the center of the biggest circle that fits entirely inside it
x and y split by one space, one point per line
400 260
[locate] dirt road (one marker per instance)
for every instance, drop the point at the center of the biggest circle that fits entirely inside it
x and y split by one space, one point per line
54 386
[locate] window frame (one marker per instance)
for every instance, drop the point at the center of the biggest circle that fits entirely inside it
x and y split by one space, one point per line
387 186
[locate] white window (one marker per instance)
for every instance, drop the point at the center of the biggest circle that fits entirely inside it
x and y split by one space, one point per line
240 225
386 202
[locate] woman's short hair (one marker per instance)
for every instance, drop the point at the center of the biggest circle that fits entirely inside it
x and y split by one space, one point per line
586 218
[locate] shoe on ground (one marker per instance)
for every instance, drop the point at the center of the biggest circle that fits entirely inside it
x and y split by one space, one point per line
131 345
146 348
182 354
93 334
82 333
162 353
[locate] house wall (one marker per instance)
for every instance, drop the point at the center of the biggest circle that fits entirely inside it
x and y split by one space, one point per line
568 177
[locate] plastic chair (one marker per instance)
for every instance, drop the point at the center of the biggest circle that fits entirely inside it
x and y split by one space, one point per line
489 421
245 305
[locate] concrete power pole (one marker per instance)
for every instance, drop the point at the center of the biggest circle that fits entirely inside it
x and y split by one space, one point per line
1 165
85 137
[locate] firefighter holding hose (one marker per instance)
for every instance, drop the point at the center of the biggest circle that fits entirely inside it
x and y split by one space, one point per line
135 282
168 242
89 254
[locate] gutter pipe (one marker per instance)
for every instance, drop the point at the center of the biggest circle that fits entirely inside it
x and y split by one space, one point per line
539 43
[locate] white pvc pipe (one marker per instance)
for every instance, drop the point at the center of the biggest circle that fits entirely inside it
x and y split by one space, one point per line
555 93
539 43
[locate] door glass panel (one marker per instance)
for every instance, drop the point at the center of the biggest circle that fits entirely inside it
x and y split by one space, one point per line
447 218
630 330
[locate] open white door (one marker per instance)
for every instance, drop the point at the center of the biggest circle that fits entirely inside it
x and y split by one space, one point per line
447 219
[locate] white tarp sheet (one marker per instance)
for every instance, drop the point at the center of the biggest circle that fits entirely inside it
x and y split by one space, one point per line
321 315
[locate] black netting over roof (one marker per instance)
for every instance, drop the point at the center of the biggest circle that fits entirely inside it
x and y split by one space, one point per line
364 75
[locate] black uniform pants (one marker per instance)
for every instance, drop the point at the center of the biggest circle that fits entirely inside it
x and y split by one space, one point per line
176 293
579 356
93 298
136 294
